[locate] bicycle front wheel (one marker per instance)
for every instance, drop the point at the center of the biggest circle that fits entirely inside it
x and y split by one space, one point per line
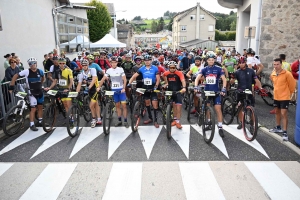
107 118
228 110
191 100
135 116
49 117
73 121
269 100
169 121
13 120
87 114
250 124
208 125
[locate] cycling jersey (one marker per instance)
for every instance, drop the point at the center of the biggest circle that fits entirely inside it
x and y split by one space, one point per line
95 66
116 77
195 69
245 78
33 80
104 64
161 70
63 77
229 64
88 77
254 62
127 67
174 80
212 75
149 76
138 78
286 66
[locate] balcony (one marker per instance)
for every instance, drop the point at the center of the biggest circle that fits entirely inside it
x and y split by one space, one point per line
231 4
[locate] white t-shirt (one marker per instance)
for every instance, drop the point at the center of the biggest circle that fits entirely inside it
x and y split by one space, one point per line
253 61
116 77
219 59
85 75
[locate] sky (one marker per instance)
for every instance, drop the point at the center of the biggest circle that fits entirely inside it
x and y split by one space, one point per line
156 8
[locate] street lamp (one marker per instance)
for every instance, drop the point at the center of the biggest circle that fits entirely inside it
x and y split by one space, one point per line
115 23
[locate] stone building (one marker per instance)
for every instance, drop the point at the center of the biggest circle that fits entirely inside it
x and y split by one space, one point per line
125 33
277 27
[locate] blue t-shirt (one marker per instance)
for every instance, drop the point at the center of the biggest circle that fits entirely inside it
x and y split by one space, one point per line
148 74
95 66
210 72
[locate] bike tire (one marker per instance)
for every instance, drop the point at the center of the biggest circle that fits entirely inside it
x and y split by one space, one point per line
169 121
186 99
251 132
135 117
228 110
87 114
191 99
208 137
73 126
269 100
11 117
49 114
200 116
107 118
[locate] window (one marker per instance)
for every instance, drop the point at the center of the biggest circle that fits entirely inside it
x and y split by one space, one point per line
183 28
202 17
193 17
182 38
211 28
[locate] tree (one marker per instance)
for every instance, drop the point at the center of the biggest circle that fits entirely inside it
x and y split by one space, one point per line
100 21
167 13
137 18
170 25
154 26
231 13
233 26
161 24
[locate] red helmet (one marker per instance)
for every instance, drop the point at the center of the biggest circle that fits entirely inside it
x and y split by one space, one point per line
242 60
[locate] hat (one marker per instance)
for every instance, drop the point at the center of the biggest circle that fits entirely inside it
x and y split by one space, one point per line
55 57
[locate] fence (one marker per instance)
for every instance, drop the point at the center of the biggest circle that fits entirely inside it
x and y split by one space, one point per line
8 100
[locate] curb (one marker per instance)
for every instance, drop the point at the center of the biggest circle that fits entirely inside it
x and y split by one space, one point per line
279 139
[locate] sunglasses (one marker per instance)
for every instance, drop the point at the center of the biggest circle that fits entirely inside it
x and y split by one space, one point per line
61 63
13 62
172 67
32 63
138 60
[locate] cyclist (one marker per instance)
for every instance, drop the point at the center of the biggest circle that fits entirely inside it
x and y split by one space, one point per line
138 64
103 62
118 81
127 66
53 68
175 81
212 74
64 78
230 64
95 66
34 79
194 71
245 76
151 80
253 62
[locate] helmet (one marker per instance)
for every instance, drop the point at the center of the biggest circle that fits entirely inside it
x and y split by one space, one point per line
79 54
191 54
198 58
103 52
84 62
166 63
155 52
172 63
128 55
114 58
250 51
155 62
147 57
55 58
228 53
61 60
32 59
210 54
91 57
96 53
242 59
138 57
119 59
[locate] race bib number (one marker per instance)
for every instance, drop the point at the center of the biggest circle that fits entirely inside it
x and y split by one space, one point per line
211 80
62 82
116 85
147 81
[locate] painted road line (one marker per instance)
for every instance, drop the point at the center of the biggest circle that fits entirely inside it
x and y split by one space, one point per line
86 136
182 137
50 182
116 138
4 167
148 135
274 181
124 182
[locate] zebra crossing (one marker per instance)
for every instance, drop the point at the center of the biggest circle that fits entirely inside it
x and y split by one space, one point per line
150 180
149 143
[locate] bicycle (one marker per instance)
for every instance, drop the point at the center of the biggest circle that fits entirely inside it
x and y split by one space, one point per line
231 108
139 109
108 111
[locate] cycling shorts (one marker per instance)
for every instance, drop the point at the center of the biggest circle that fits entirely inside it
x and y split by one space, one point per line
217 100
36 100
94 96
241 97
281 104
150 95
177 98
119 97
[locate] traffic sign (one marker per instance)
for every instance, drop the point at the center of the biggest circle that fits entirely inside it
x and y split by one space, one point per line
250 32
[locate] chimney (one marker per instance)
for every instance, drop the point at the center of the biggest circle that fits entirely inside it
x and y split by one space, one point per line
198 21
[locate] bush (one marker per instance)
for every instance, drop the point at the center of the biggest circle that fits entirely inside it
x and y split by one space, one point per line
228 36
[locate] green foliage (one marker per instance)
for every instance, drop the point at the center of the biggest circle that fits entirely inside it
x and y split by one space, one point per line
160 25
233 26
170 25
100 21
228 36
137 18
225 22
154 26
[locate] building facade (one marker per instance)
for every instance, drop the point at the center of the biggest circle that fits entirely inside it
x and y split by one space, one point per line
277 27
32 28
193 24
125 33
151 40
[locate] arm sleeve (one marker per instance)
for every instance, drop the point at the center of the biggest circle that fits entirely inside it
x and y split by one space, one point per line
51 69
42 73
70 73
291 82
180 75
98 68
93 72
122 72
80 78
23 73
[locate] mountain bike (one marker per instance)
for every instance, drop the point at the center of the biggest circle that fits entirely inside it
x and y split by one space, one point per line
108 111
139 109
231 108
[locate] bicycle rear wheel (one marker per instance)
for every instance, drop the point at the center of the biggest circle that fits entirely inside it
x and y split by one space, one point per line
208 125
73 121
250 124
269 100
49 117
87 114
135 116
107 118
13 120
228 110
191 100
169 121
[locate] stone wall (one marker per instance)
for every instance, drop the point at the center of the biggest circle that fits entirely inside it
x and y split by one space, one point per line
280 31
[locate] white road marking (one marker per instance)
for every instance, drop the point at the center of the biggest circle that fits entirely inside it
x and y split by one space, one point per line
148 135
182 137
116 137
4 167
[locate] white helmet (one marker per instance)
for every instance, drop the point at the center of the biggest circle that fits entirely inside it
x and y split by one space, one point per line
32 59
228 53
79 54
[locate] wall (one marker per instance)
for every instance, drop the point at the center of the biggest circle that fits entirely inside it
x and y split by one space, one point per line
280 30
27 29
76 12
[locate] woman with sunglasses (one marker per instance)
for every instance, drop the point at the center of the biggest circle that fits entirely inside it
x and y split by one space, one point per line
11 70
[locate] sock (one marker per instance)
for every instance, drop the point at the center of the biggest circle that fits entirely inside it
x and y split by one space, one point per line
149 112
31 123
278 127
155 115
120 119
177 120
125 119
208 120
220 124
40 120
99 119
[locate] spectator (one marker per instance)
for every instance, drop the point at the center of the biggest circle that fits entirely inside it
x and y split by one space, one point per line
13 54
19 63
186 61
295 71
45 59
11 70
68 62
6 62
285 65
49 62
55 53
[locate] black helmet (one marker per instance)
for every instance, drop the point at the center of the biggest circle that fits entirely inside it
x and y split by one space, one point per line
155 62
114 58
250 51
198 58
119 59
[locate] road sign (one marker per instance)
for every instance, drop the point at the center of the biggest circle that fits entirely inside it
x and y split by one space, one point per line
250 32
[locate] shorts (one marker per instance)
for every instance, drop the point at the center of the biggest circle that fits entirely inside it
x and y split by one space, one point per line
217 100
150 95
281 104
35 100
119 97
94 96
177 98
241 97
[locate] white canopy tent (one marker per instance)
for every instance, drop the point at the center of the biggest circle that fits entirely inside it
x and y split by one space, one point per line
79 39
107 41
